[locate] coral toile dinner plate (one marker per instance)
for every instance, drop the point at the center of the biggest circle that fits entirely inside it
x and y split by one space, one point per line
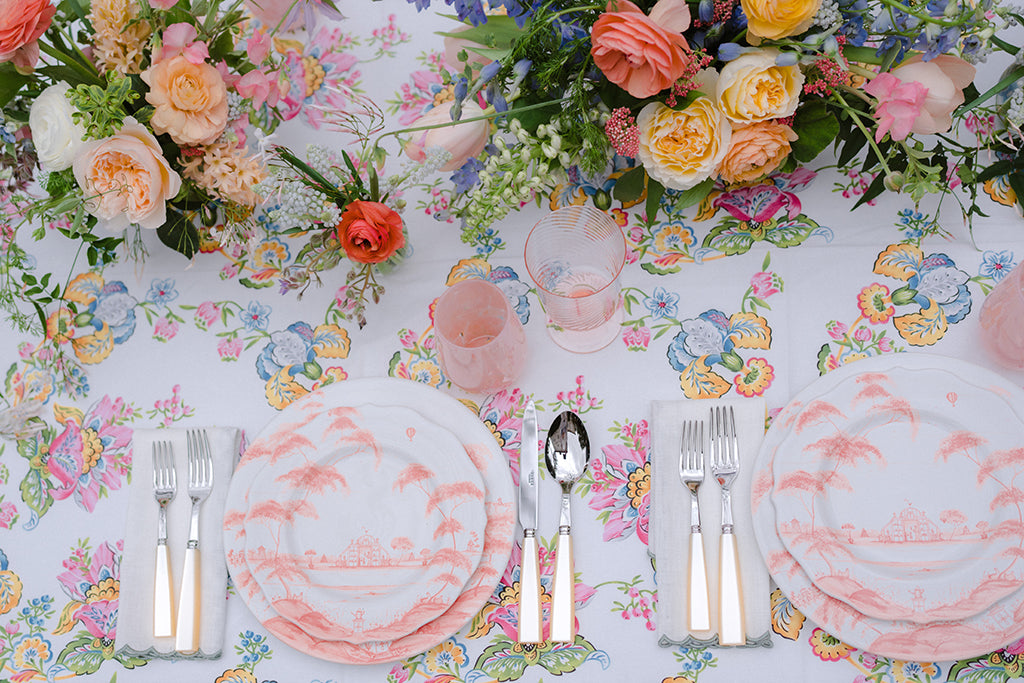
919 457
436 489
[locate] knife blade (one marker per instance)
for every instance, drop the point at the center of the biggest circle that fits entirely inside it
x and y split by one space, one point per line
529 629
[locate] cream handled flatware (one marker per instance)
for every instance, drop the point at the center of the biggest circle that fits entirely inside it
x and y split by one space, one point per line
200 484
691 473
566 453
530 619
725 465
164 488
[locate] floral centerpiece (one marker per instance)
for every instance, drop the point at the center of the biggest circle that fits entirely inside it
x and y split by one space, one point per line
139 115
666 101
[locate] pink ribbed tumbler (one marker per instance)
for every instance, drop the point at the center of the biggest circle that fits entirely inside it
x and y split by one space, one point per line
1002 320
575 256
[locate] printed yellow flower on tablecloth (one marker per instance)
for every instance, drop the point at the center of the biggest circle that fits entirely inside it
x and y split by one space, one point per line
827 647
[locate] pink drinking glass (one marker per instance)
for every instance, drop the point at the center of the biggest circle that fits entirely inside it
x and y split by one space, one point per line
575 256
1002 320
480 341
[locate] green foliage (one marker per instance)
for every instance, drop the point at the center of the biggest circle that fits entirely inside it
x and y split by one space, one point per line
102 111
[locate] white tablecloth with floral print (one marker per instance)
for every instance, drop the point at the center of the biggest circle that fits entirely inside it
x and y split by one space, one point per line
784 275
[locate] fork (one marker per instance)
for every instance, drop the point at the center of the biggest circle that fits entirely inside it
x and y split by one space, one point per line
725 465
164 488
200 483
691 473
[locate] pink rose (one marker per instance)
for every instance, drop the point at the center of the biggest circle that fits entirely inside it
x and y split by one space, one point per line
462 141
642 54
126 179
919 96
190 101
21 24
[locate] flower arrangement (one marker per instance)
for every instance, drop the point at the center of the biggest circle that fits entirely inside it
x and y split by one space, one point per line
139 115
666 101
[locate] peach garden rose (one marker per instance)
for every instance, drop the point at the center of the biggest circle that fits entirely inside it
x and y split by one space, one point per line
640 53
774 19
756 150
753 88
681 149
190 100
125 178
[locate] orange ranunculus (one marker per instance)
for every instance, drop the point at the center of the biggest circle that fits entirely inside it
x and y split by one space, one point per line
370 232
756 150
190 101
125 178
21 24
642 54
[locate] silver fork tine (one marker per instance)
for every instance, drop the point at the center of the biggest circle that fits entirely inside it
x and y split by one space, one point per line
725 466
164 488
691 473
200 484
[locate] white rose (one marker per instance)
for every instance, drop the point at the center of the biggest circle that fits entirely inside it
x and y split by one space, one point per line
56 135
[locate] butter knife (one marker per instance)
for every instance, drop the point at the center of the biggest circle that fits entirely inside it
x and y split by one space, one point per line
530 630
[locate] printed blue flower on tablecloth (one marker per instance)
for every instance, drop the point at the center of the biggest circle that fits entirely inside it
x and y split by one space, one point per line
287 348
939 280
705 335
161 292
662 303
256 316
996 264
114 306
514 288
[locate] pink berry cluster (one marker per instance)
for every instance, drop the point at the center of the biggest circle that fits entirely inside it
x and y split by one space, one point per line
623 132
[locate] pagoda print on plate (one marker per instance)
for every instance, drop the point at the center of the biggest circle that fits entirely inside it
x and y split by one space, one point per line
893 505
362 534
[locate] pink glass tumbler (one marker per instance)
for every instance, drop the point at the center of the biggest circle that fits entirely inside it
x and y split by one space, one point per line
1002 320
480 341
575 256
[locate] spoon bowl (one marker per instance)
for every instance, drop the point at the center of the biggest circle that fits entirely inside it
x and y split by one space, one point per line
566 455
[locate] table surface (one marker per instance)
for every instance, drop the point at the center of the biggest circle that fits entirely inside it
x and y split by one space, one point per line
202 344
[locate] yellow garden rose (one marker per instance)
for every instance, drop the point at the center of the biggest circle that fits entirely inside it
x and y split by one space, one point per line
753 88
681 149
774 19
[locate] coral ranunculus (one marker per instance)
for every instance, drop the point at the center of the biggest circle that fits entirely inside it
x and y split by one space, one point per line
756 150
126 179
642 54
775 19
680 149
753 88
190 101
370 232
21 24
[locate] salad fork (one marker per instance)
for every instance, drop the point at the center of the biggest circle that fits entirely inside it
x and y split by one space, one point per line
691 473
164 488
725 465
200 484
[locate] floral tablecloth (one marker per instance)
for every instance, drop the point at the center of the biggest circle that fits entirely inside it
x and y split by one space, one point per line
755 293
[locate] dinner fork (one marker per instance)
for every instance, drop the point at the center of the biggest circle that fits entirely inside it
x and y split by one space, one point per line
725 465
691 473
200 483
164 488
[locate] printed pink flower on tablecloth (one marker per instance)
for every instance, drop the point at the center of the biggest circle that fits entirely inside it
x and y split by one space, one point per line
765 284
621 490
229 348
207 313
165 329
637 338
93 587
836 329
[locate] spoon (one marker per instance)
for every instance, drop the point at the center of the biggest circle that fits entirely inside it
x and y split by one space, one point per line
566 454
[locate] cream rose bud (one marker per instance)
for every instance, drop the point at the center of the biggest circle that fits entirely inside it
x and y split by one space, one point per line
462 141
681 149
55 133
753 88
125 178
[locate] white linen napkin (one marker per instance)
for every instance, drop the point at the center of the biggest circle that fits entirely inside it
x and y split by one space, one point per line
138 560
670 521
